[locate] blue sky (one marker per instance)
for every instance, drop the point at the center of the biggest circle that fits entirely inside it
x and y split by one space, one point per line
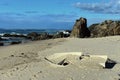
39 14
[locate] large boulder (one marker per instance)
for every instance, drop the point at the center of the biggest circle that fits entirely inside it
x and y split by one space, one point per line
106 28
80 29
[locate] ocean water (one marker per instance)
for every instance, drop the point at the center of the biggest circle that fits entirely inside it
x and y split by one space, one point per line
26 31
22 31
14 39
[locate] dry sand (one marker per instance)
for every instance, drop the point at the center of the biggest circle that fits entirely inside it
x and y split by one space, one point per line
61 59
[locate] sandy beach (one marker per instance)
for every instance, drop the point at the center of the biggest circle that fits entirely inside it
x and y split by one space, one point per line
61 59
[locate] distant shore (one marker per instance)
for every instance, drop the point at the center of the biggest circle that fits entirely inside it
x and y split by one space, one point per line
19 36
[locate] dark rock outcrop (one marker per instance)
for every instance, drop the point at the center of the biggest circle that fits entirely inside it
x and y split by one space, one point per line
80 29
17 42
1 43
0 38
42 36
106 28
32 35
36 36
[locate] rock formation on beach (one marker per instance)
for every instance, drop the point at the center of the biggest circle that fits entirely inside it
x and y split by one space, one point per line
37 36
0 38
32 35
106 28
1 43
80 29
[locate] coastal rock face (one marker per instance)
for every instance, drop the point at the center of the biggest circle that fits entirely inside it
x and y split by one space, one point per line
106 28
32 35
80 29
42 36
36 36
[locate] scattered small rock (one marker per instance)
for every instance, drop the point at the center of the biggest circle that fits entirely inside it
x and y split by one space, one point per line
12 55
17 68
34 75
22 53
40 72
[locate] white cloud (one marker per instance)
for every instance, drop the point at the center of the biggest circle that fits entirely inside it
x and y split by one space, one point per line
111 7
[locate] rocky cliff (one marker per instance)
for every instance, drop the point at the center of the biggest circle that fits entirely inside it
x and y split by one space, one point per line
106 28
80 29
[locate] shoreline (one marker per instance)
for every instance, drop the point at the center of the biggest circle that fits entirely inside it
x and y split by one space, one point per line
32 46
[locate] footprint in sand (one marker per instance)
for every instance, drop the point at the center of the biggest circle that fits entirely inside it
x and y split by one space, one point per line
17 59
